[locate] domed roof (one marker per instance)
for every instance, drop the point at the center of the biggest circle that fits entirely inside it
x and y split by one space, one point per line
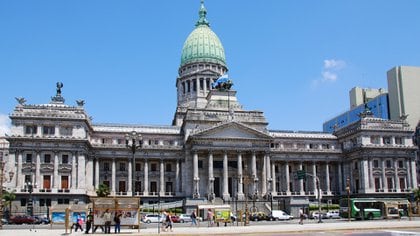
203 45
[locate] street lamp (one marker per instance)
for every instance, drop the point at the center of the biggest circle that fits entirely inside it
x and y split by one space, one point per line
270 194
30 187
136 143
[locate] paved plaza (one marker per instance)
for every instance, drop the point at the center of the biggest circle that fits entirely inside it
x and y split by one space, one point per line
272 229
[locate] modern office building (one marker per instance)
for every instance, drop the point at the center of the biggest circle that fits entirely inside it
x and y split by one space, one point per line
360 96
214 151
404 93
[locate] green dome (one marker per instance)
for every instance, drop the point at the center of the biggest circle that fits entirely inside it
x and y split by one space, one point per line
203 45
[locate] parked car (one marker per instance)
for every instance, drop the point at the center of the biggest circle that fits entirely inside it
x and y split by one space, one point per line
41 220
175 219
152 218
280 215
21 219
315 215
333 214
184 218
258 216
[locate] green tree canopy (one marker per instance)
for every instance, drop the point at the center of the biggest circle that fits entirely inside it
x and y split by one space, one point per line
103 190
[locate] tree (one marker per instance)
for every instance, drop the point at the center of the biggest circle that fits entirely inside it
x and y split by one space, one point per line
8 198
416 193
103 190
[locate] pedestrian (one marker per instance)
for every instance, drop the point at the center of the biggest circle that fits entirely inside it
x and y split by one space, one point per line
301 216
194 218
107 219
79 222
89 221
168 222
210 218
117 220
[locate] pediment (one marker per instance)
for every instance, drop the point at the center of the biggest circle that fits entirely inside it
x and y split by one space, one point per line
231 130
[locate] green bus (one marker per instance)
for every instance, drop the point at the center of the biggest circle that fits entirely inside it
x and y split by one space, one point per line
373 208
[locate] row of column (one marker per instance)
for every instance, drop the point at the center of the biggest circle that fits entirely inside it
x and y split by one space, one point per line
268 177
146 189
77 178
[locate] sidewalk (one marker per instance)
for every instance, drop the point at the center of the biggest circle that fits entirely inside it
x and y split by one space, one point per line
281 227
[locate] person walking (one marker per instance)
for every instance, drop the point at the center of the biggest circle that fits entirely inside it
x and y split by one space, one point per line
79 223
107 219
89 221
193 218
210 218
168 222
117 219
301 216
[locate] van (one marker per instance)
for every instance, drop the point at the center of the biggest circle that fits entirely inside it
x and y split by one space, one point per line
280 215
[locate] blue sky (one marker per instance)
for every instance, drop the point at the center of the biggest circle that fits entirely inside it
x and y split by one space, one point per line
295 60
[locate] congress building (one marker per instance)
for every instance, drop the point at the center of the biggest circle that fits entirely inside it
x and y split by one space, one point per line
215 151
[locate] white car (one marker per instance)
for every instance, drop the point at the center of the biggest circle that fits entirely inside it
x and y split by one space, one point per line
280 215
153 218
333 214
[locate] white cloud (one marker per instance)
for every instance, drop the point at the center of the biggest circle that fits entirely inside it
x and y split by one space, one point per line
329 76
4 125
332 64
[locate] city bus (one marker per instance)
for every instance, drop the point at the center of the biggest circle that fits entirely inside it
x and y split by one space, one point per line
373 208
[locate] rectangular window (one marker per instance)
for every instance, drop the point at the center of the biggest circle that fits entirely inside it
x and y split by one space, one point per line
168 167
377 183
208 84
66 201
374 139
48 202
201 84
48 130
188 86
60 201
65 159
28 179
31 129
66 131
64 182
47 181
47 158
153 167
388 164
194 85
402 183
42 202
122 166
23 202
400 164
398 140
376 163
106 166
137 187
390 183
387 140
29 158
138 166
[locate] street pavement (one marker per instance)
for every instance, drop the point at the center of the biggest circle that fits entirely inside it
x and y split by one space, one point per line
309 226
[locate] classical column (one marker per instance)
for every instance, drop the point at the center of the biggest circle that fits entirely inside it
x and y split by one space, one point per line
397 180
73 172
327 178
384 185
226 195
56 180
211 177
371 179
113 177
340 178
408 177
240 193
19 179
38 170
273 177
177 178
81 174
97 172
287 174
146 178
264 176
89 175
365 176
413 173
162 179
196 178
301 188
254 172
130 179
314 179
